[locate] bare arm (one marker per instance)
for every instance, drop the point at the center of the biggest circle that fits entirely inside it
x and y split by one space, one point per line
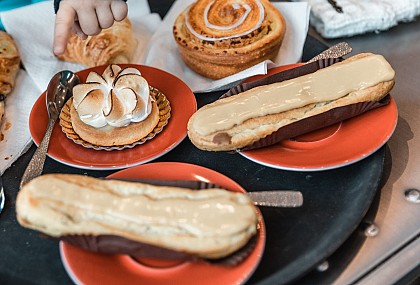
85 18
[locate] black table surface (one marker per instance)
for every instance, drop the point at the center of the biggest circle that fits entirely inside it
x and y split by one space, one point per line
26 258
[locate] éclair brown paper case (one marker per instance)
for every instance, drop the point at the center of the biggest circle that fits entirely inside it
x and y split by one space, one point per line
313 123
112 244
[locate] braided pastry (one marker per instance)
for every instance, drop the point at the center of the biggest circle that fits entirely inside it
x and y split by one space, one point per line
217 38
9 63
113 45
9 68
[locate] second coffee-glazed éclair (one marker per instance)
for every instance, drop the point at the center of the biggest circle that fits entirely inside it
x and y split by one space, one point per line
219 38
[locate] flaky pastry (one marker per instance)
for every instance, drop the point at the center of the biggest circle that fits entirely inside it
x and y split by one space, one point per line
116 44
9 67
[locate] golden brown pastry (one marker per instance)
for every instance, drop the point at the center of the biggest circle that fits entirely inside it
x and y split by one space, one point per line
243 119
9 63
209 223
9 67
115 108
113 45
220 38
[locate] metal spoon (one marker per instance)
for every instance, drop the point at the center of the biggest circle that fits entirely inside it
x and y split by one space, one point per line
59 90
272 198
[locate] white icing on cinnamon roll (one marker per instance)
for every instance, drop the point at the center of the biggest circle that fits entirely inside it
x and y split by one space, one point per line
236 24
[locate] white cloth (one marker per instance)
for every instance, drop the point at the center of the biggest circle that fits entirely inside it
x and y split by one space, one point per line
32 28
163 52
359 17
15 128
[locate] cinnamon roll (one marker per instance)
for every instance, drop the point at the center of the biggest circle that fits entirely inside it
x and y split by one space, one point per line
217 38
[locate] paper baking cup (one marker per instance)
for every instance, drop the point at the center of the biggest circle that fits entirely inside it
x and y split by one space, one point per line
164 115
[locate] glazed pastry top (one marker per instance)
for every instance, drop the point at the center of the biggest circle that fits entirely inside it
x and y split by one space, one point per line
278 97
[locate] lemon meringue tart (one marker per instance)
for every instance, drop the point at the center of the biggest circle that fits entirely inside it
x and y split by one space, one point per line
115 108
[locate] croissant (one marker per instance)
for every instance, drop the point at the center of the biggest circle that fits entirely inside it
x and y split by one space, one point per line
219 38
9 63
113 45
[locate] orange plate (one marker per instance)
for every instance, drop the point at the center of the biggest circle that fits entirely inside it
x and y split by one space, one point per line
62 149
86 267
331 147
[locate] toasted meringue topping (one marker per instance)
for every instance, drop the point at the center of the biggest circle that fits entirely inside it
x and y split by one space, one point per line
116 98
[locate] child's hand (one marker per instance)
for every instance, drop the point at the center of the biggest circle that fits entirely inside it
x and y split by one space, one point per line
85 18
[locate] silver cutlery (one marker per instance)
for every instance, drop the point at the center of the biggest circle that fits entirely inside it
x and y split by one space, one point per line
272 198
335 51
59 90
277 198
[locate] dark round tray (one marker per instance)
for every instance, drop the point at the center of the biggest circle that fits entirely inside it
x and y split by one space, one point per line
298 239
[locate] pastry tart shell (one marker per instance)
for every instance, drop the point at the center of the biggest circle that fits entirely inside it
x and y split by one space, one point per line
111 138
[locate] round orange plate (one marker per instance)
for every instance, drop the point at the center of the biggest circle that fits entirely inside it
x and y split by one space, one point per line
62 149
86 267
331 147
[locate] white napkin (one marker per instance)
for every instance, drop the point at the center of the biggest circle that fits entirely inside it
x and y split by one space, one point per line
33 28
15 128
163 52
359 17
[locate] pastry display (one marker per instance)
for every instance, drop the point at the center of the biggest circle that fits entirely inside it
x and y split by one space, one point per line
116 44
244 119
115 108
220 38
9 67
209 224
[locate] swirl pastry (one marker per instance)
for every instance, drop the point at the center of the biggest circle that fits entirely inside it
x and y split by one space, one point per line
219 38
114 108
113 45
